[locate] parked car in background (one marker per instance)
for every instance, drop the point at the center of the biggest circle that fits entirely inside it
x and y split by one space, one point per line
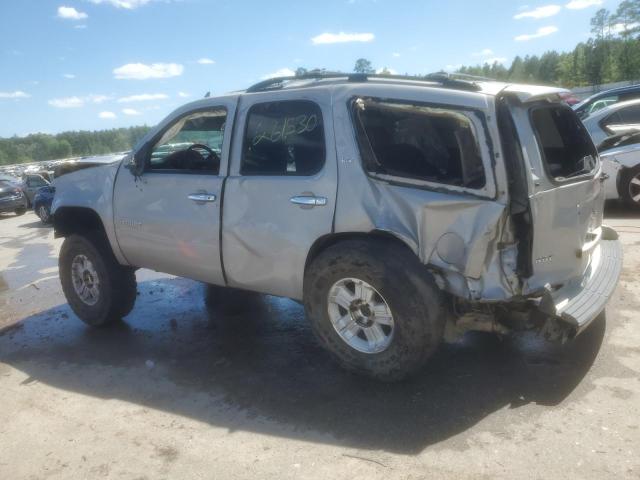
462 205
607 98
42 203
620 158
616 119
12 198
31 183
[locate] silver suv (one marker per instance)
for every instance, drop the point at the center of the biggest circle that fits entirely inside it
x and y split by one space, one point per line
401 212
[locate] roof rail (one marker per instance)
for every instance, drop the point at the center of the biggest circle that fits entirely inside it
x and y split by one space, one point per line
454 81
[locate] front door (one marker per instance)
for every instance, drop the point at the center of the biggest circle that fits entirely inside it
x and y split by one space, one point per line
168 219
280 194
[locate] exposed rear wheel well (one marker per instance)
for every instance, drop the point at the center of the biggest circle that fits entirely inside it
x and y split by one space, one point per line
378 236
76 220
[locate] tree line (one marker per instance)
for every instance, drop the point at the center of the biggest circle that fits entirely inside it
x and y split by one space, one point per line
41 146
612 54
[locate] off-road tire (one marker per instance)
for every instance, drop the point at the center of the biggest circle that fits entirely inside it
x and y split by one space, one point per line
625 182
117 289
415 301
20 211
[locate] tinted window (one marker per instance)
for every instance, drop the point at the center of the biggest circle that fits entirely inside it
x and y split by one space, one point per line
630 114
283 138
36 182
419 142
192 144
566 147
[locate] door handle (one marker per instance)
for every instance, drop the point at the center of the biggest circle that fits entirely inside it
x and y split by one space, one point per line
202 197
308 201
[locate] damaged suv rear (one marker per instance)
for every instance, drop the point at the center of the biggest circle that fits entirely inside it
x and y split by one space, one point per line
400 211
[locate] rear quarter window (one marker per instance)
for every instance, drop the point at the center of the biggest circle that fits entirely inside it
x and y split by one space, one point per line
418 142
566 147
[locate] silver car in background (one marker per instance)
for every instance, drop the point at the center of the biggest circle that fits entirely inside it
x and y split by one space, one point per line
616 119
620 158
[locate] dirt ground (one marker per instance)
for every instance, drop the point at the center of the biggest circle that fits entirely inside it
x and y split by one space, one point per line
181 391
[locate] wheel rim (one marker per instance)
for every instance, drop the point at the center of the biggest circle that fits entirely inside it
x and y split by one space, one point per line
85 280
44 215
360 315
634 188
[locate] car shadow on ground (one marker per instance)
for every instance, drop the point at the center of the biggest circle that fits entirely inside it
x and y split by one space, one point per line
619 210
258 368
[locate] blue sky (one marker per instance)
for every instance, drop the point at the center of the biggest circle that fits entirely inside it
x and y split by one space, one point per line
95 64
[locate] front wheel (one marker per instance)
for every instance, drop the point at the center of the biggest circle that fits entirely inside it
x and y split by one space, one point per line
44 214
20 211
630 186
99 290
374 307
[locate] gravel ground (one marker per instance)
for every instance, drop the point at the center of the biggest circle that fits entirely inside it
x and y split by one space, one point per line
181 390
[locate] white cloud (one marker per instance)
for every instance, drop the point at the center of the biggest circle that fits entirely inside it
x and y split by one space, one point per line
67 102
619 28
70 76
71 13
144 97
283 72
206 61
580 4
453 68
77 102
131 111
389 71
327 38
541 32
107 115
483 53
126 4
493 60
540 12
16 94
184 94
141 71
395 54
80 27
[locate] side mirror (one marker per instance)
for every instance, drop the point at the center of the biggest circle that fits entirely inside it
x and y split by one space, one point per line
135 162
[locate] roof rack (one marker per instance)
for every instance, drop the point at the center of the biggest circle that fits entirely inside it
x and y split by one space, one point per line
446 80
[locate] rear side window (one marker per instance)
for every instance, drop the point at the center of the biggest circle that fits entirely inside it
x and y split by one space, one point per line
418 142
630 115
284 138
567 149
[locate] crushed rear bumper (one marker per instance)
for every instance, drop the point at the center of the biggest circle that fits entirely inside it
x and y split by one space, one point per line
578 304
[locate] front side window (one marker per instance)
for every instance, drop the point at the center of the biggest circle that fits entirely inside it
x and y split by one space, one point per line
418 142
192 144
567 149
284 138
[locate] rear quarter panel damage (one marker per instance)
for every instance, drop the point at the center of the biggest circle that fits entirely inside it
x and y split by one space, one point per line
456 234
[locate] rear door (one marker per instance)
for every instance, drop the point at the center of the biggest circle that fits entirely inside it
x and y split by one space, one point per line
565 192
280 194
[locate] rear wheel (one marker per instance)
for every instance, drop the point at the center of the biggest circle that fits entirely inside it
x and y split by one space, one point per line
630 186
99 290
374 307
20 211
